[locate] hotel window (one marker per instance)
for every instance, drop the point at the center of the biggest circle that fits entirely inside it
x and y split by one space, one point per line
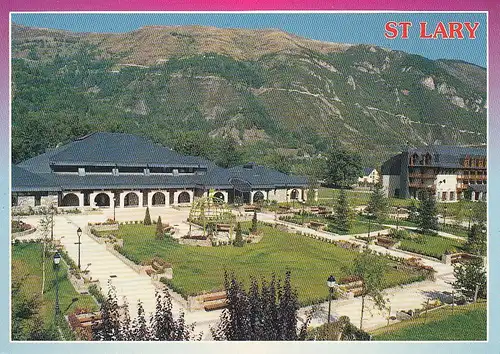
452 195
443 196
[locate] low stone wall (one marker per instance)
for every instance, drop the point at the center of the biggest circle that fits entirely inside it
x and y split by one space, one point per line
23 233
105 227
192 242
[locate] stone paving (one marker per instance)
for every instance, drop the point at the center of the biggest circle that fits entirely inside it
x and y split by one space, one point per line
134 286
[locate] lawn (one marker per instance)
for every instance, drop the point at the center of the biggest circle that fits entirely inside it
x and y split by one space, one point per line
199 269
433 246
358 226
26 262
466 322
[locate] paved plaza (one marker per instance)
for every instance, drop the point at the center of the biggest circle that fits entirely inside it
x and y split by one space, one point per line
104 266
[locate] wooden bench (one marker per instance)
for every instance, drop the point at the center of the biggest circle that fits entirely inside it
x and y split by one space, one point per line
316 224
223 227
215 306
251 208
214 297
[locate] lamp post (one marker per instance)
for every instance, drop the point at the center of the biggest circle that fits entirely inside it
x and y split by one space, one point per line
397 218
57 259
303 204
470 216
79 233
444 215
114 207
331 284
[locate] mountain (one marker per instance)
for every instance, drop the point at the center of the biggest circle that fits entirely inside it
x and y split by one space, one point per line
273 93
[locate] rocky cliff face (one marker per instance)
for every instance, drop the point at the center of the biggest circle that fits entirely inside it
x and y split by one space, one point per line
264 86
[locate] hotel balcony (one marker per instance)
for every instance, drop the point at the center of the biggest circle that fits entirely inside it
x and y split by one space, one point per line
422 175
472 177
421 185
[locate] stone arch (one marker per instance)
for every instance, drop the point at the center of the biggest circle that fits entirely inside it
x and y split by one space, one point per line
70 199
158 199
102 200
294 194
258 196
219 195
131 199
184 197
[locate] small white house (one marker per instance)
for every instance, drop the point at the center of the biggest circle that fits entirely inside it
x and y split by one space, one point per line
370 176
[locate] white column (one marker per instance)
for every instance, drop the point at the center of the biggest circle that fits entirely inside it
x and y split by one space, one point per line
122 199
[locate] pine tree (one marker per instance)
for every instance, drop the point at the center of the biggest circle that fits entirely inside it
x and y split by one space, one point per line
159 229
471 280
427 218
378 203
238 238
476 240
342 218
147 218
413 212
253 229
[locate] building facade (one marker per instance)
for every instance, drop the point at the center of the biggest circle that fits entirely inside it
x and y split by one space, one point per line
370 177
449 173
124 170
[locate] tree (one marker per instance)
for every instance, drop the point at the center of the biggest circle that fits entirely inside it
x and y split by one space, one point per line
46 228
471 280
254 223
238 238
343 213
369 269
343 167
427 218
378 204
268 311
147 217
115 324
476 240
159 229
413 212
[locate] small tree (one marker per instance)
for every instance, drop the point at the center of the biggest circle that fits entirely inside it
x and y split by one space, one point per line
254 223
159 229
378 204
476 240
427 218
413 212
238 238
265 312
471 280
147 218
369 268
342 218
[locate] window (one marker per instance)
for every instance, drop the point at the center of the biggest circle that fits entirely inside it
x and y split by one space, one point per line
444 196
452 195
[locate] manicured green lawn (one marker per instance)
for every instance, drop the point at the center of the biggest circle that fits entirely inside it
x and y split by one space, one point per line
433 246
466 322
27 261
198 269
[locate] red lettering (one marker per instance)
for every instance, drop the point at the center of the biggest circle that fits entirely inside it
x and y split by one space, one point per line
391 31
406 26
472 30
423 31
440 30
456 28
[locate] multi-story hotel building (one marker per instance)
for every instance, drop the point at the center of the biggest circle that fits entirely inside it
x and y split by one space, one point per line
447 172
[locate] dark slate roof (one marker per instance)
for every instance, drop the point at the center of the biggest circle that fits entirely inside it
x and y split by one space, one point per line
25 181
478 187
260 176
367 171
448 155
392 166
109 149
130 150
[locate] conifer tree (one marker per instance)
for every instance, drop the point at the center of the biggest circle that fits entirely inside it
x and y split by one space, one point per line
476 240
159 229
427 218
342 218
238 238
147 218
378 204
254 223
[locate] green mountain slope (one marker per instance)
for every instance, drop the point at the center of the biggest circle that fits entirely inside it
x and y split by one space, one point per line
266 91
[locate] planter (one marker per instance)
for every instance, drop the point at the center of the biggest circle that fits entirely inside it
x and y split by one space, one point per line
105 227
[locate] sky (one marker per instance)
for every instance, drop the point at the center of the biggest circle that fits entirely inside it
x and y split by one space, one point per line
356 28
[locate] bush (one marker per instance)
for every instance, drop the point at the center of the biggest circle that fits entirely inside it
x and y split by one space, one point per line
147 217
399 234
96 293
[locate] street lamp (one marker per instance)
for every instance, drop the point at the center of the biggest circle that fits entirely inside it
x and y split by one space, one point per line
57 259
444 215
303 204
115 199
79 233
397 218
331 284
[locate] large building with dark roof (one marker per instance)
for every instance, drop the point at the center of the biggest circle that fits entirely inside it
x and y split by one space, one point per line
125 170
447 172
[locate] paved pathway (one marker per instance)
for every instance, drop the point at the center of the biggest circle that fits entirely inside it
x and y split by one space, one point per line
104 265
